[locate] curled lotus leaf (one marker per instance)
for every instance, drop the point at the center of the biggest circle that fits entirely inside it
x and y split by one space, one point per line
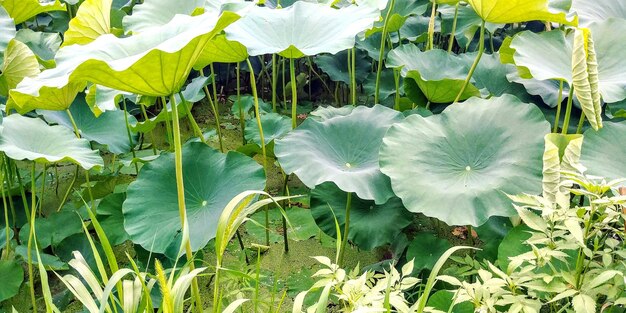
342 149
450 166
562 153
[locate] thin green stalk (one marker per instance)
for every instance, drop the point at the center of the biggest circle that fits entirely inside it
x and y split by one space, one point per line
294 92
214 85
145 117
33 209
130 137
86 171
9 179
168 127
557 119
22 191
242 121
481 48
7 251
568 111
214 107
454 22
285 192
396 78
284 81
346 230
180 188
69 189
431 27
192 120
353 75
581 122
382 51
274 82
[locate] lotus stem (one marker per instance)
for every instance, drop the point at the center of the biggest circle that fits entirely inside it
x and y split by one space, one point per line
242 121
22 191
192 120
481 48
274 82
6 216
168 127
557 119
396 78
294 92
214 86
33 208
382 51
69 114
180 188
353 75
568 111
69 189
581 122
215 110
8 175
130 137
454 22
285 192
431 26
145 117
284 81
346 230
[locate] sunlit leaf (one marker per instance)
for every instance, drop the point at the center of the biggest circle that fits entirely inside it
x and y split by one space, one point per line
92 20
22 10
516 11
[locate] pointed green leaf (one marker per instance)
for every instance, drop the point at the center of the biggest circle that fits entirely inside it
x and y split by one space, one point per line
92 20
583 303
23 10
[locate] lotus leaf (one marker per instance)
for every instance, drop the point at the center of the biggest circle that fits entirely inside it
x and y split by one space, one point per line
301 29
23 10
450 166
425 249
491 77
7 29
155 13
439 86
336 66
516 11
12 275
50 262
3 236
611 60
211 178
247 104
597 145
598 10
21 139
19 62
401 11
108 129
44 45
48 231
221 50
93 19
562 153
491 235
342 149
442 300
111 218
467 23
274 126
371 225
101 99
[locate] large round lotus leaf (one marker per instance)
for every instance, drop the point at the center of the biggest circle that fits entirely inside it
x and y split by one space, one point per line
23 138
400 12
611 60
19 62
499 11
336 66
467 23
44 45
12 275
598 145
23 10
301 29
49 232
274 126
153 63
7 29
108 129
111 218
441 83
491 77
452 167
598 10
155 13
101 99
211 180
341 149
371 225
93 19
221 50
425 249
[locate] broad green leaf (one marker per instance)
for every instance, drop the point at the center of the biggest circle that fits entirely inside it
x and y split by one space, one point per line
19 62
470 167
513 244
491 235
152 63
7 29
425 249
303 29
93 19
111 218
516 11
101 99
44 45
561 153
606 35
402 10
3 236
49 232
371 225
155 13
583 303
221 50
212 179
23 10
585 78
336 66
387 84
440 84
598 10
12 275
21 139
546 55
49 261
491 77
342 149
108 129
274 126
443 299
467 23
600 144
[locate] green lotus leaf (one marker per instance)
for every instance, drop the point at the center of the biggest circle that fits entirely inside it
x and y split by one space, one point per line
153 63
28 95
21 138
546 55
108 129
50 262
211 178
12 275
467 23
442 300
450 166
44 45
602 143
371 225
342 149
425 249
3 236
611 61
19 62
274 126
301 29
598 10
101 99
7 29
246 102
491 77
155 13
23 10
49 232
439 86
387 84
92 20
498 11
336 66
562 153
491 235
221 50
402 10
111 218
585 78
